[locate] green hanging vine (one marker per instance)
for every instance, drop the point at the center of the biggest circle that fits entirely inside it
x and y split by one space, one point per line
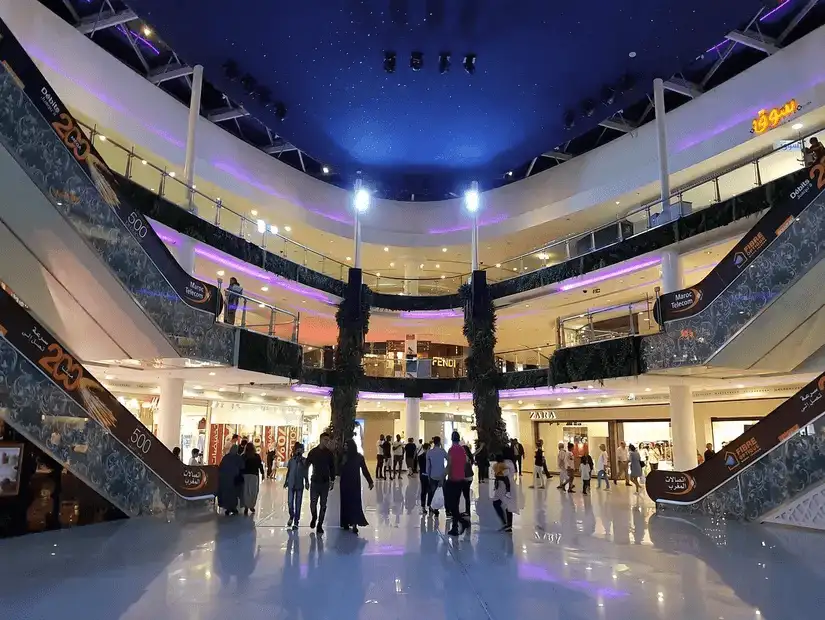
480 331
353 318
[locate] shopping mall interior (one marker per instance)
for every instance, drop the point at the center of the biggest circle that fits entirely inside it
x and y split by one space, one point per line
413 223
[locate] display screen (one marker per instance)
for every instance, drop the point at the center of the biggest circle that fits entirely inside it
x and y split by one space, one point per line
11 457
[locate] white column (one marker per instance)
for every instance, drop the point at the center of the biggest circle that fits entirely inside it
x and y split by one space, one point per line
661 138
682 428
474 243
411 275
671 271
412 418
185 253
170 406
357 237
194 115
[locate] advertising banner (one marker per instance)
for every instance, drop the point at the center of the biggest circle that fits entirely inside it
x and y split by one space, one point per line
690 301
17 63
37 345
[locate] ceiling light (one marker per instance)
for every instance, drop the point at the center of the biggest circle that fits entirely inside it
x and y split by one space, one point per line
520 402
498 264
221 389
263 393
647 389
264 288
797 126
443 276
618 202
739 385
349 257
437 266
253 213
443 249
261 226
197 387
378 274
273 229
171 174
325 170
421 266
558 399
109 377
288 228
362 200
392 264
632 54
144 162
589 387
514 269
211 374
103 139
471 201
221 272
509 173
261 305
147 31
526 305
386 249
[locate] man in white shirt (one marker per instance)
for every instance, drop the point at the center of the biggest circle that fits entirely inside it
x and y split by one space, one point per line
601 467
561 465
621 460
570 464
397 456
379 458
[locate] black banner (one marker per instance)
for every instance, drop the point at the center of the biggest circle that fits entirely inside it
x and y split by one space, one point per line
32 341
690 486
27 76
690 301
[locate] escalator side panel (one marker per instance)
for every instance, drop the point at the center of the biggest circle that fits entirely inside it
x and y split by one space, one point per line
31 343
86 195
696 339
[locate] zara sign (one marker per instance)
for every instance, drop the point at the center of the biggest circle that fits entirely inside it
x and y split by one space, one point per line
542 415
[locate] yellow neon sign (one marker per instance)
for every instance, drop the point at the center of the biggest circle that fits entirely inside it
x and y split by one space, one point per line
768 119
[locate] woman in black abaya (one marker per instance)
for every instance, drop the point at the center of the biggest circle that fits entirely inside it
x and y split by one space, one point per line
352 466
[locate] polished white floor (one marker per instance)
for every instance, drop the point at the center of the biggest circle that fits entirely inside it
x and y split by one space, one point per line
602 557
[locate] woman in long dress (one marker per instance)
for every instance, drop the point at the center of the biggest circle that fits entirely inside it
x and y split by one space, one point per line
230 481
352 467
635 466
253 471
505 499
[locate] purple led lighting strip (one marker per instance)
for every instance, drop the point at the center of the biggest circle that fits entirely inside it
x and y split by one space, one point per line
610 274
761 19
430 314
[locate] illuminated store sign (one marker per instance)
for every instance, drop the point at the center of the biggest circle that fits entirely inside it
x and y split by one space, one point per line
768 119
444 362
542 415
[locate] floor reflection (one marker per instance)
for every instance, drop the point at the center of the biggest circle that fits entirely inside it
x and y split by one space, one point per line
606 555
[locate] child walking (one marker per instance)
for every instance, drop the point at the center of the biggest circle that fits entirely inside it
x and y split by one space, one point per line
295 481
586 468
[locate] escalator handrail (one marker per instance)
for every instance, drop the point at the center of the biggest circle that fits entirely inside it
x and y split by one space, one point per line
685 488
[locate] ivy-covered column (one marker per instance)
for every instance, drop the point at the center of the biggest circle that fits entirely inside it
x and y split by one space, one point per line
480 331
353 318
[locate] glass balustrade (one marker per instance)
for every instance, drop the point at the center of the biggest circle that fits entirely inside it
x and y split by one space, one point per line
784 159
620 321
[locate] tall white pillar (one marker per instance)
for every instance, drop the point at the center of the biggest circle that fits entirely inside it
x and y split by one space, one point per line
194 115
661 138
671 271
412 419
185 253
411 275
170 407
682 428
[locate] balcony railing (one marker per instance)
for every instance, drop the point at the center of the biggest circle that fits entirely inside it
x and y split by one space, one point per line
257 315
784 159
630 319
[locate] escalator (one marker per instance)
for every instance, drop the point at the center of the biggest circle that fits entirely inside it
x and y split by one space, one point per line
48 397
761 307
778 461
79 220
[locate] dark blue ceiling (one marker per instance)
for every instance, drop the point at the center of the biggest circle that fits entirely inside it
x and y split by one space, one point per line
536 60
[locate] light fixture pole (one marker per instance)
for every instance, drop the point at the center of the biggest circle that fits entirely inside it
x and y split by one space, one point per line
472 200
360 203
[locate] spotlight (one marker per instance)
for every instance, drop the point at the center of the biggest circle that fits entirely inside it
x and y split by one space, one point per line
608 95
362 200
416 61
231 70
569 119
471 200
588 107
325 169
249 83
443 62
280 111
470 63
389 62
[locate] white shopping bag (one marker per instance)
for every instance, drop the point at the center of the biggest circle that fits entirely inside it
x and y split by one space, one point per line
438 499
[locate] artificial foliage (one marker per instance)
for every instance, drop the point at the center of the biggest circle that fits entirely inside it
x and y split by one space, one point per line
353 318
480 331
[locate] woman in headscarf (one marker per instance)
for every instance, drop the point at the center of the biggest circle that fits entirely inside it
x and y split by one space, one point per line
352 466
505 500
230 481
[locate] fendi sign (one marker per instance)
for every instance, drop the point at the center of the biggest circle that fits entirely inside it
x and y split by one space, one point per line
444 362
542 415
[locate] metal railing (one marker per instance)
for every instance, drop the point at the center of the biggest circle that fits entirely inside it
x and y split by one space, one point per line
258 315
629 319
697 195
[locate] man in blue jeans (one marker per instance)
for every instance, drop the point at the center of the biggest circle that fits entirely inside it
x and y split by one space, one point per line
436 466
601 467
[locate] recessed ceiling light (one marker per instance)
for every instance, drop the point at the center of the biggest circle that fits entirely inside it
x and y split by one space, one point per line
739 385
378 274
221 272
520 402
103 139
797 126
514 269
498 264
392 264
263 393
386 249
253 212
109 377
443 276
147 31
437 266
325 170
558 399
211 374
144 162
580 397
632 54
197 387
288 228
221 389
443 249
618 202
647 389
264 288
509 173
172 174
421 266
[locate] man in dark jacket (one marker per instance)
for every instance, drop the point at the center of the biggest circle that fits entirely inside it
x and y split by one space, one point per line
321 460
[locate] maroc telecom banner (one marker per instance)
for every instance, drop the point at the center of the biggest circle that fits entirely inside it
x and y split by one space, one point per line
28 78
795 413
690 301
32 341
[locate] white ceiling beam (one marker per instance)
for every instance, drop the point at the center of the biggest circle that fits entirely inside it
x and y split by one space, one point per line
558 155
683 87
169 72
227 114
617 125
796 19
753 40
93 24
277 147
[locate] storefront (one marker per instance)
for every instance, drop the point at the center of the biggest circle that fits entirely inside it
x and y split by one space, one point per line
726 430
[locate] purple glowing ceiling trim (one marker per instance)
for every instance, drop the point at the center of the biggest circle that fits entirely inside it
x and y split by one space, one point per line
312 389
761 19
138 38
529 392
448 396
430 314
610 274
380 396
493 219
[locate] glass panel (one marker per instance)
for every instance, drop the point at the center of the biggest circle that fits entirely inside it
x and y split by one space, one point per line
176 192
639 220
699 197
145 174
779 163
737 182
205 207
114 156
230 221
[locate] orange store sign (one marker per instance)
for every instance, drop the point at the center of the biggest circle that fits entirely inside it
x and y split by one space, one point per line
768 119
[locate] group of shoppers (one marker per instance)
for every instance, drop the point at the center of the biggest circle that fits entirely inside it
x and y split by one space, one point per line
239 477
